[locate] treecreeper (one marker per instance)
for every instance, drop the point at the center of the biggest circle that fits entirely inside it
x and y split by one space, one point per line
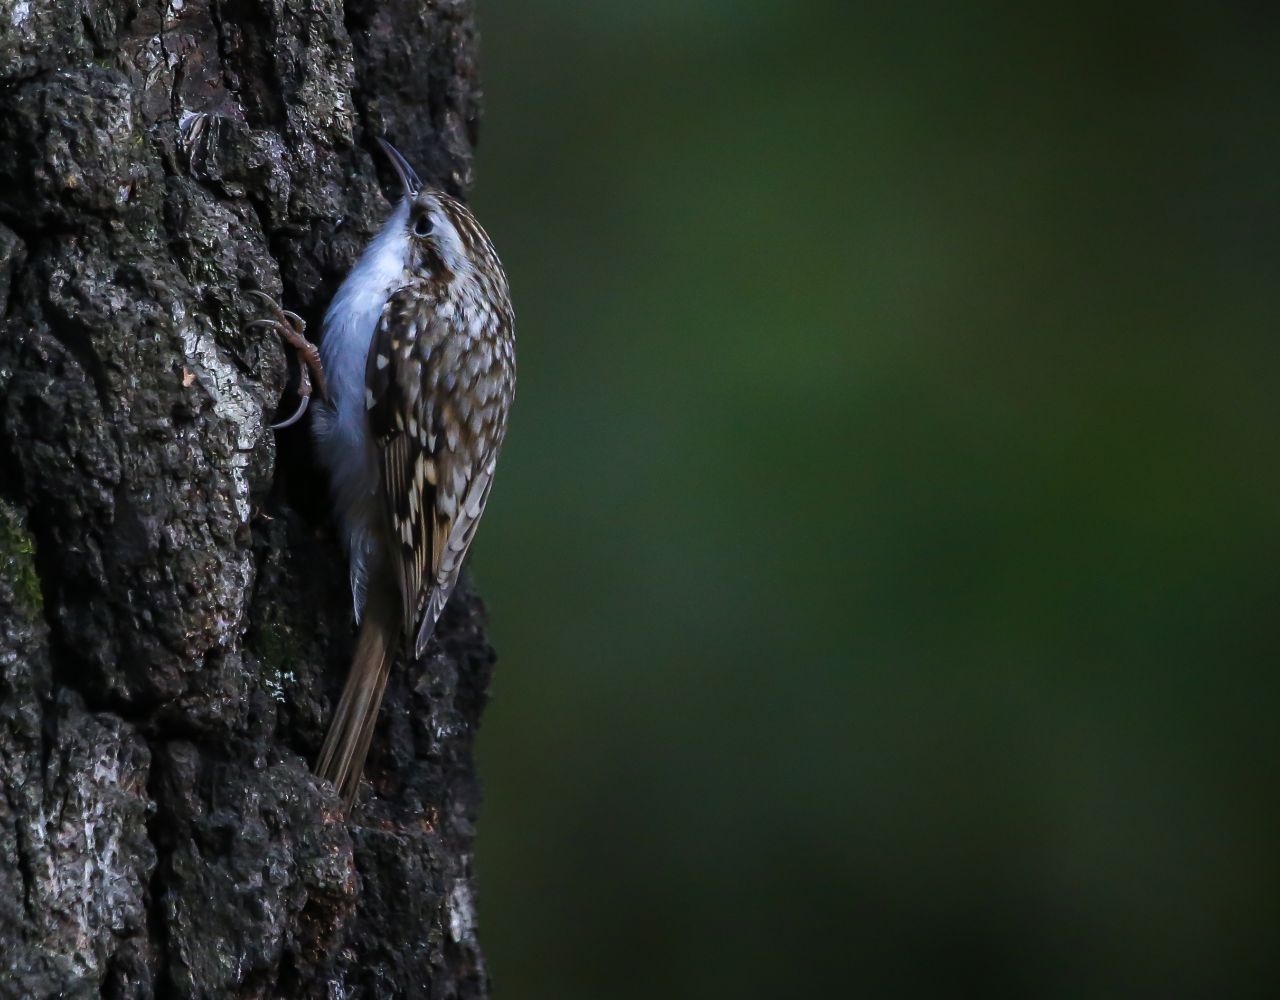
415 376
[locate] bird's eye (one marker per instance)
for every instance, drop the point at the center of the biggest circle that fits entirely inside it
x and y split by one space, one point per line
422 225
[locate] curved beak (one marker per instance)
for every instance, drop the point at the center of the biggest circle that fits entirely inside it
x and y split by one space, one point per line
408 178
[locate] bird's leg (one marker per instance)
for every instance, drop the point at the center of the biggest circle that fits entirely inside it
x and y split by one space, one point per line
290 327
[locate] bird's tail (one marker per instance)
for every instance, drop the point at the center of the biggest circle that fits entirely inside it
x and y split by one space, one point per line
347 743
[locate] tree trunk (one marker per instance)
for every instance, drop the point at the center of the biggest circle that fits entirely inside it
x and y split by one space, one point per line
175 620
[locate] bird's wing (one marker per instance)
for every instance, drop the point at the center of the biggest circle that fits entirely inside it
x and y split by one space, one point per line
437 445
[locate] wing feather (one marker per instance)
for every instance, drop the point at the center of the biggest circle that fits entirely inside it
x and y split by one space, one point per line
437 445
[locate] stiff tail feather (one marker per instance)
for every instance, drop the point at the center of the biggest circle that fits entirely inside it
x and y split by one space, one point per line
351 731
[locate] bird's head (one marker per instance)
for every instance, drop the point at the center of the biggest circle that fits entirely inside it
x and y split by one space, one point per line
444 239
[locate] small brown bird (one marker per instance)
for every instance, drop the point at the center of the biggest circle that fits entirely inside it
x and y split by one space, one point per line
418 376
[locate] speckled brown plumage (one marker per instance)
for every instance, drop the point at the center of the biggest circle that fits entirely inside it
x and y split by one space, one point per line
419 358
440 380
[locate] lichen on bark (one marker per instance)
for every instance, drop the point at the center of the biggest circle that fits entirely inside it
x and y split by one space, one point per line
174 617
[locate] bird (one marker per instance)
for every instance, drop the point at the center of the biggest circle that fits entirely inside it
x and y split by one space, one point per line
416 373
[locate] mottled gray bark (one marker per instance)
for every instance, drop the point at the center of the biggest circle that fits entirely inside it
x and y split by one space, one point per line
174 615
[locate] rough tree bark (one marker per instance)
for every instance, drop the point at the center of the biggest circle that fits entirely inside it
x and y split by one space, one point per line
174 616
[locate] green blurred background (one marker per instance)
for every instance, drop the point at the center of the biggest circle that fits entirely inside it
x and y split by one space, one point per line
883 562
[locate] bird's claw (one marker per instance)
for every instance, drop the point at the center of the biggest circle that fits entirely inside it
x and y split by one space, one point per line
290 327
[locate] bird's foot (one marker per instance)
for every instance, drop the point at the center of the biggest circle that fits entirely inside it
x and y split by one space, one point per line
291 326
